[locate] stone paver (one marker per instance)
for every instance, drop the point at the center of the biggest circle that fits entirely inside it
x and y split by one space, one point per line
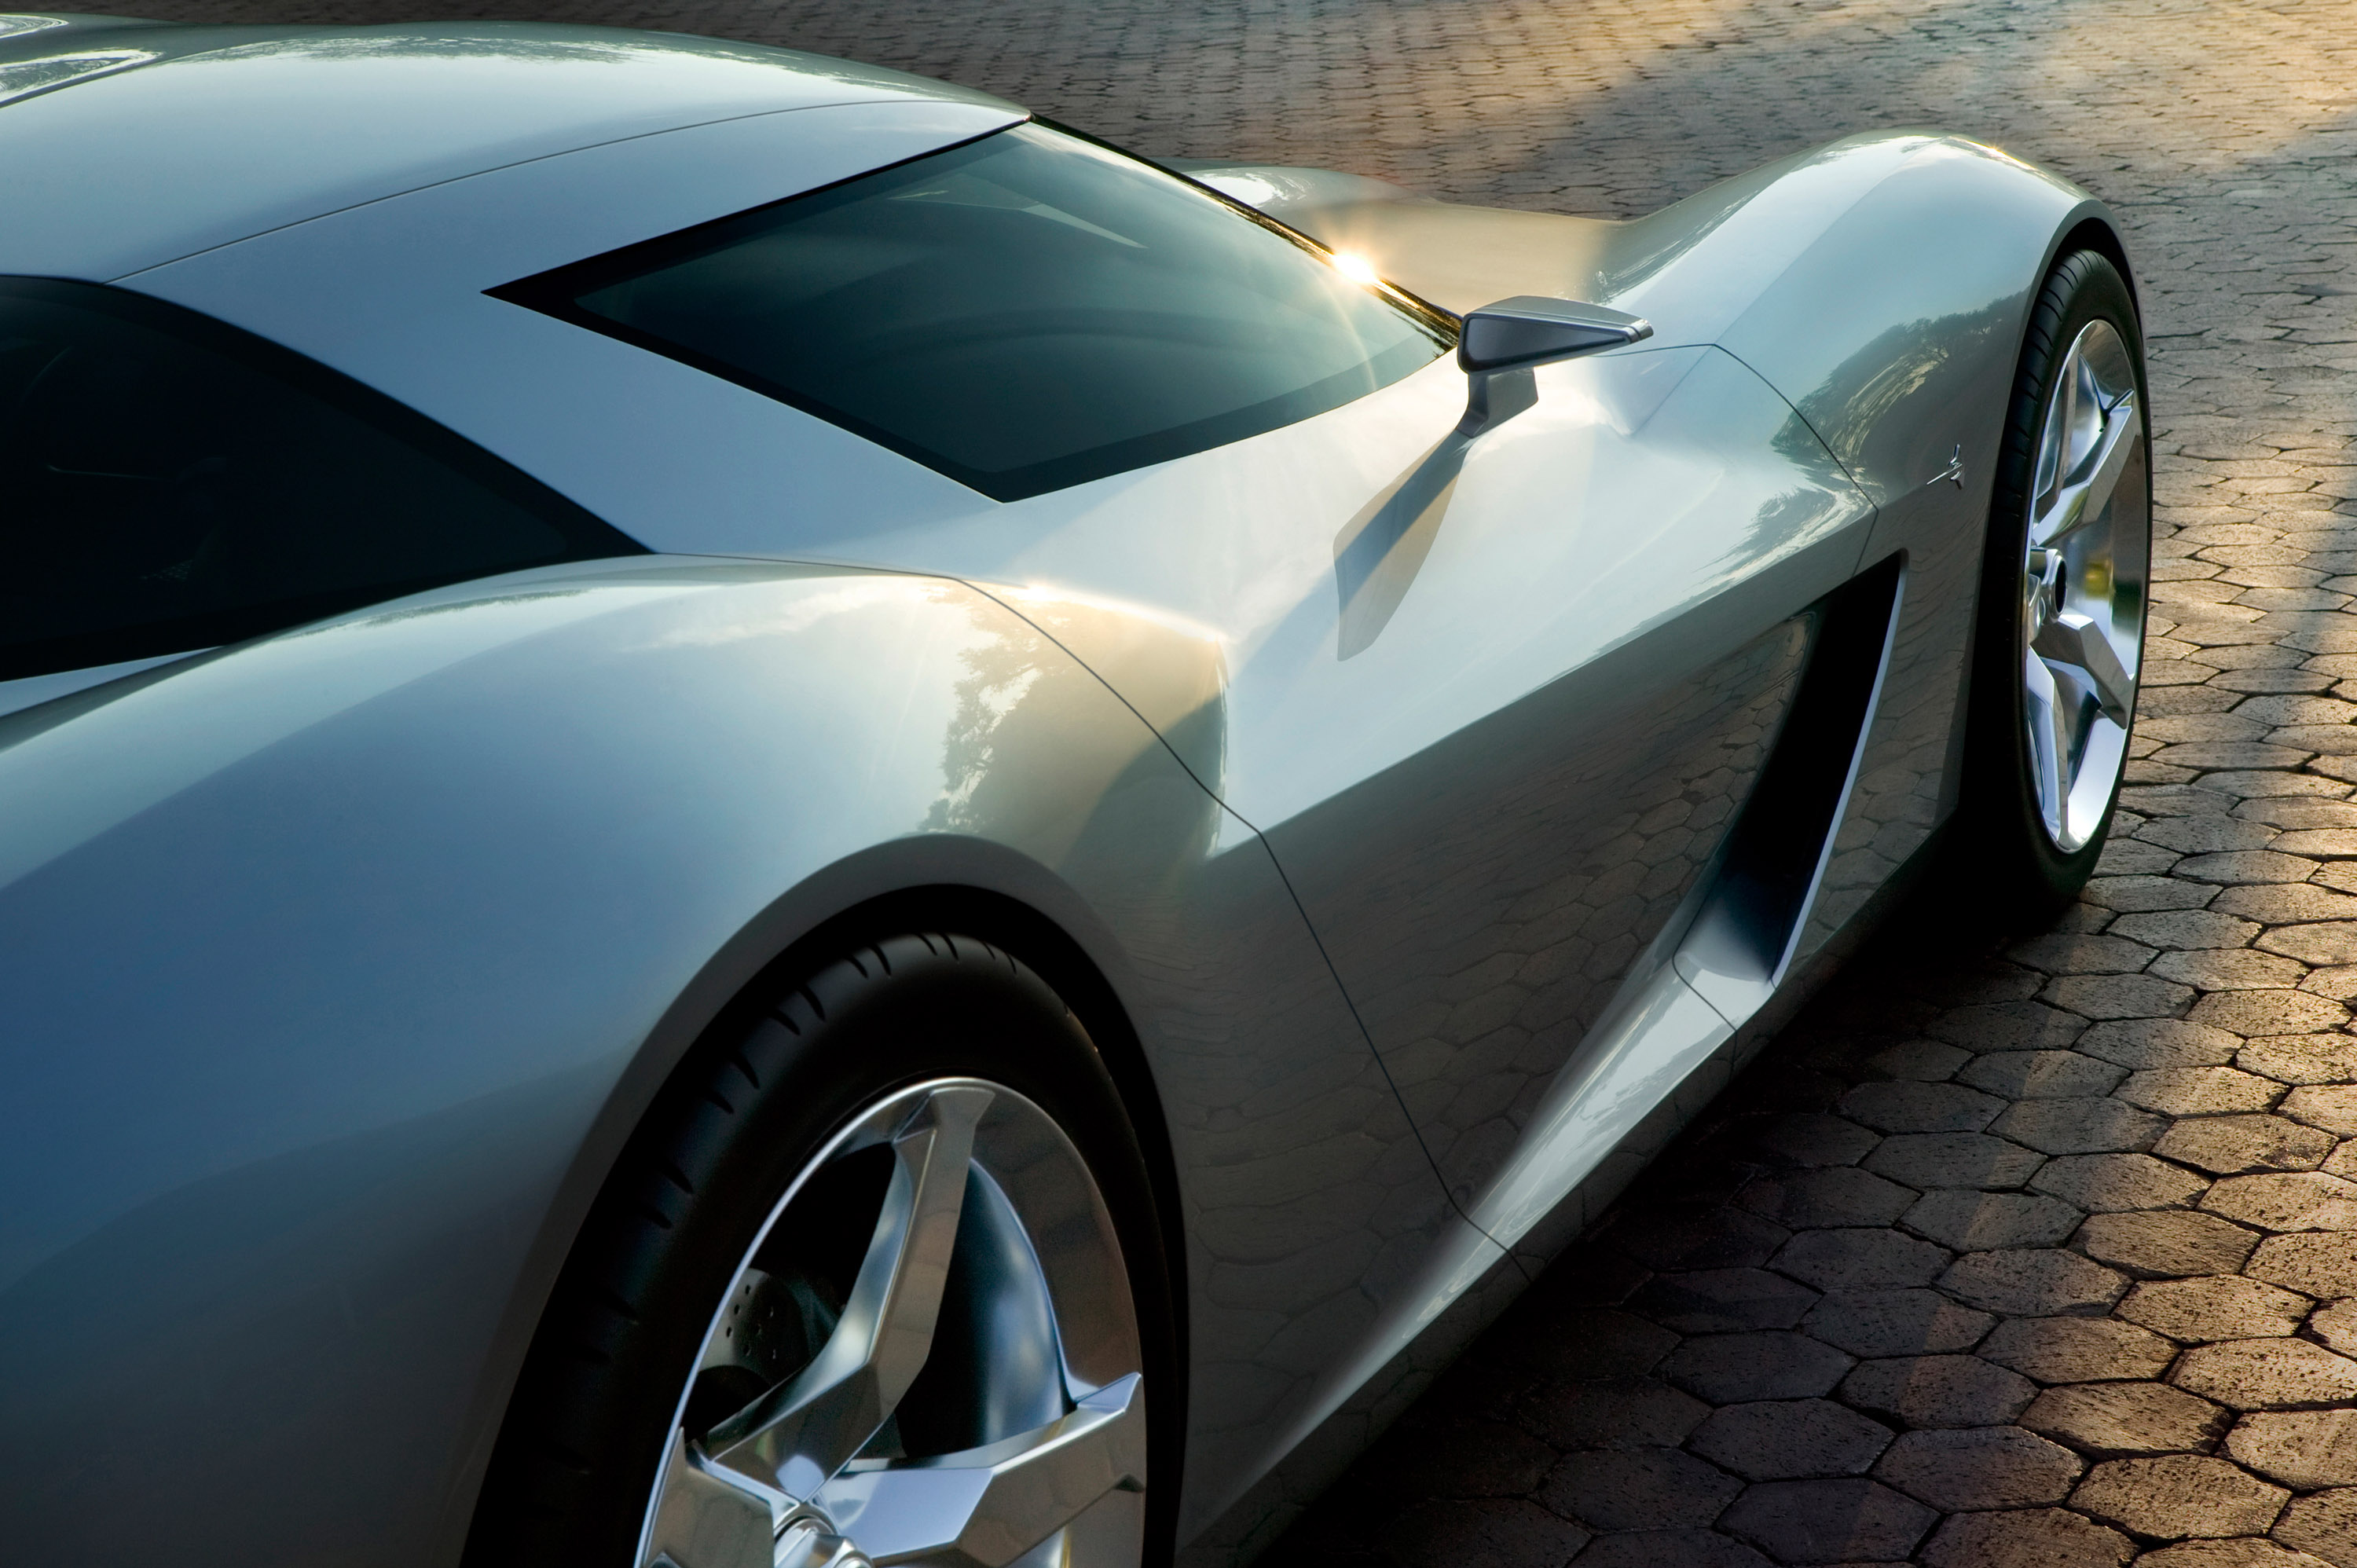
1868 1235
2121 1421
2177 1494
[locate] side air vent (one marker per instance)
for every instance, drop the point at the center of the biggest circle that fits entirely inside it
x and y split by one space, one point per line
1740 941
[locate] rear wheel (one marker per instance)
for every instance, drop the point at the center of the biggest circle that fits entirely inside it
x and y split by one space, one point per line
2061 634
877 1285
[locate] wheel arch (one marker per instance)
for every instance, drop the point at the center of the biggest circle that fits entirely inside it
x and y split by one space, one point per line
2092 227
971 887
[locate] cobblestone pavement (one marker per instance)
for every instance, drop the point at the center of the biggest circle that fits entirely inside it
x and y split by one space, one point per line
2035 1257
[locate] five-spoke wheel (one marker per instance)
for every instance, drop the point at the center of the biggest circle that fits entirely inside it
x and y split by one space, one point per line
987 1233
2082 573
2061 634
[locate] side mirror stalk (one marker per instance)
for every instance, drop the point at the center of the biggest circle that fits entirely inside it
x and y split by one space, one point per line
1500 344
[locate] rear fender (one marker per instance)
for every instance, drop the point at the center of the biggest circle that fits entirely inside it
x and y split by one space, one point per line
337 966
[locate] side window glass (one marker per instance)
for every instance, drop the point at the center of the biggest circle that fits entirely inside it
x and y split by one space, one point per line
1025 312
167 483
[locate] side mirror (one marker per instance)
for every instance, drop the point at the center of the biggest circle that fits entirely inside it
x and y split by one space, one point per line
1500 344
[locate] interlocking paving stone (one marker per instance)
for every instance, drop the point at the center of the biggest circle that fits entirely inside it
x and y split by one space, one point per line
1813 1138
1980 1468
2166 1243
2191 928
2332 1107
1954 1159
2244 1551
1668 1549
2173 1496
1894 1323
1465 1459
2008 1027
1849 1521
2207 833
2160 1043
2325 1524
2267 1374
2116 1182
2304 1449
1487 1530
1637 1488
2030 1537
2079 1126
2298 1200
2224 1306
1727 1369
2142 893
2324 945
2077 1349
2120 1420
2316 1265
1920 1107
1938 1391
2041 1075
2199 1091
1718 1238
2229 968
2250 1013
1860 1258
2032 1281
1596 1342
2238 1145
2285 903
1722 1301
2103 996
1926 1062
2244 866
1970 1221
1626 1412
2335 1325
2079 952
1790 1440
1834 1195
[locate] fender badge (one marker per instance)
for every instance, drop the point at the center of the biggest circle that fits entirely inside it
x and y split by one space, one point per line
1954 472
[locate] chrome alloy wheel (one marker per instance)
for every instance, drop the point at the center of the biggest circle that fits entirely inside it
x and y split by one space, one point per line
929 1354
2082 576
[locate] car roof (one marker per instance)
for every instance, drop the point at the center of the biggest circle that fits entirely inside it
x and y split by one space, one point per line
124 144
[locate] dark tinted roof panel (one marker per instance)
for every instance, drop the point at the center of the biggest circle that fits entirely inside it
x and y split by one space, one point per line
1021 313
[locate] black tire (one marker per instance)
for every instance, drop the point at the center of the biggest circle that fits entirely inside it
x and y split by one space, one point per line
2002 867
570 1475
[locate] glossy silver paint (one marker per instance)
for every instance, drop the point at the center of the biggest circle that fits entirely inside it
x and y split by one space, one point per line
339 965
365 1156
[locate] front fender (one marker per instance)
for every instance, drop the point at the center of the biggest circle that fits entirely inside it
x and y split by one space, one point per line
1861 279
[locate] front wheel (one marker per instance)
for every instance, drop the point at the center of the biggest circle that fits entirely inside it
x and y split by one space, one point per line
2060 638
878 1284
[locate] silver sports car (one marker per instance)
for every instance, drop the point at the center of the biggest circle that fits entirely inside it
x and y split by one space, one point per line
754 816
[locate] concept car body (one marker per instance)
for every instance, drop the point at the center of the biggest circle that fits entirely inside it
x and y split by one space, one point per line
751 813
